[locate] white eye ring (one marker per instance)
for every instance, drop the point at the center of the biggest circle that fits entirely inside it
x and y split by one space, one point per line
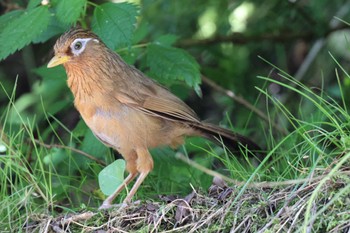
78 45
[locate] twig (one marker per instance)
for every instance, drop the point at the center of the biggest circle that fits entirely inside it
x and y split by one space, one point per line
50 146
207 220
78 217
10 6
254 184
281 211
318 45
241 38
241 224
241 101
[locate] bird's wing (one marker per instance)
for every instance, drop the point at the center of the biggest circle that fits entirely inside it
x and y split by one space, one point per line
155 100
170 107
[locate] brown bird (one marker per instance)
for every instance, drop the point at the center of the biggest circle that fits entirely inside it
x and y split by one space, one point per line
125 109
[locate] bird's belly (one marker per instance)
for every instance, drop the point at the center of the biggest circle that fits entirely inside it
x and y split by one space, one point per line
105 128
126 129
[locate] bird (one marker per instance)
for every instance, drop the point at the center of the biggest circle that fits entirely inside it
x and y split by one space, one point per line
125 109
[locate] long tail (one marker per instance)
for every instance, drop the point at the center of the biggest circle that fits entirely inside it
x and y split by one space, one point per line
230 139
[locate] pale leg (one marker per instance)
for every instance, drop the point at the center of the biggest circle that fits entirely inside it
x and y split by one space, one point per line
137 184
144 165
108 202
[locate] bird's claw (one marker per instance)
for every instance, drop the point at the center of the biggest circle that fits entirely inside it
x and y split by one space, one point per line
120 206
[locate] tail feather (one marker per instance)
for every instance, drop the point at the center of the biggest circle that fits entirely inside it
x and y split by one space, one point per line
232 140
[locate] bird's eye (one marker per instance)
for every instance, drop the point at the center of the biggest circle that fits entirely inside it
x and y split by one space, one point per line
78 45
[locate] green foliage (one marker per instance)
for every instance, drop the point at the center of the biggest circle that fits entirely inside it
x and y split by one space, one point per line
16 35
173 64
112 176
68 12
115 23
9 17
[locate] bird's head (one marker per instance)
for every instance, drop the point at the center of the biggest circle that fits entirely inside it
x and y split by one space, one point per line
75 46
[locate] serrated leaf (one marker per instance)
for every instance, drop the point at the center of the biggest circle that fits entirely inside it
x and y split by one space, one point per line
172 63
68 11
8 17
22 30
115 23
54 28
111 176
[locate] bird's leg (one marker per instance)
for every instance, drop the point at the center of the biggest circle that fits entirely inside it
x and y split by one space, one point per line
108 202
144 165
137 184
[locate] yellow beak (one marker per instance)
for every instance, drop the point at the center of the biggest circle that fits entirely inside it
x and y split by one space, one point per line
58 60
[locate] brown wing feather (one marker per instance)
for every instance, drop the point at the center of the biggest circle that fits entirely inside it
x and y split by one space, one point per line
170 107
151 98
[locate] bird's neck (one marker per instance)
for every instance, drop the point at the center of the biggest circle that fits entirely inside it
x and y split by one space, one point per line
91 82
85 84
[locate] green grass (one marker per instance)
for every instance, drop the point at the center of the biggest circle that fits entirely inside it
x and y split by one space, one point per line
301 184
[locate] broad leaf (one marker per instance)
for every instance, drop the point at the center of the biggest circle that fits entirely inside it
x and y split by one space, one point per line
111 177
115 23
54 28
174 64
55 157
22 30
68 11
8 18
166 40
33 3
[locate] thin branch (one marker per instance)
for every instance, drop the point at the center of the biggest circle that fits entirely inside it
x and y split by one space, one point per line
241 38
50 146
253 184
243 102
318 45
282 210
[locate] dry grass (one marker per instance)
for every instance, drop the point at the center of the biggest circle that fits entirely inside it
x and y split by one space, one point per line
282 208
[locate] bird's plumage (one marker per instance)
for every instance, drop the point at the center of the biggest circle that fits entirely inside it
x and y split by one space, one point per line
125 109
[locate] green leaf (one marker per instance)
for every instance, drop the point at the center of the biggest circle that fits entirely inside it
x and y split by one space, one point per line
93 146
141 32
68 11
55 74
111 176
173 64
80 129
22 30
8 17
167 40
54 28
56 156
33 3
115 23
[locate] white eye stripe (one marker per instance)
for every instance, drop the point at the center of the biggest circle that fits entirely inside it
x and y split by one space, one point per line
78 45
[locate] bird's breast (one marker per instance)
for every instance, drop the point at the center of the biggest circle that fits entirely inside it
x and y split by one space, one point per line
106 124
126 128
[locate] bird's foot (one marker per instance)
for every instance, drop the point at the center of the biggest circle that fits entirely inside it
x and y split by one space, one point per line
108 205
